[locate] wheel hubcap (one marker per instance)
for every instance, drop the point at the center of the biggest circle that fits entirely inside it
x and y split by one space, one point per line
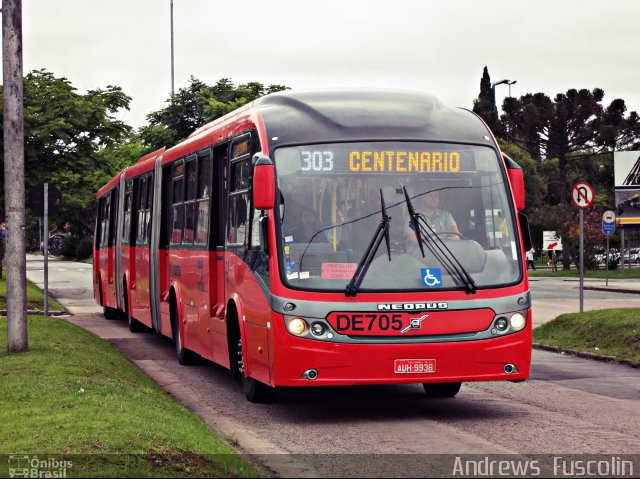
239 358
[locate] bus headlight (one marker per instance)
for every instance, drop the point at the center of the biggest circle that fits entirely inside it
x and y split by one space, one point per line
317 329
501 324
297 326
517 322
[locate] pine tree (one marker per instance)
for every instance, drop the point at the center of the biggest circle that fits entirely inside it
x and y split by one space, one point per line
484 104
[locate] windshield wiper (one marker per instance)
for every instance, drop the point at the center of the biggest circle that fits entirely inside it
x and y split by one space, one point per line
414 220
382 231
426 235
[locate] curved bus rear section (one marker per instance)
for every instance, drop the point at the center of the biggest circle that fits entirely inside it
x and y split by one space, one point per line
180 248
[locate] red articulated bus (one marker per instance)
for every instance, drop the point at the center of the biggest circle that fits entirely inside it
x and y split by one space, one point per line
326 238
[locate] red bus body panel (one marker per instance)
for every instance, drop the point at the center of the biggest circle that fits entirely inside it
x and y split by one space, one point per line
205 284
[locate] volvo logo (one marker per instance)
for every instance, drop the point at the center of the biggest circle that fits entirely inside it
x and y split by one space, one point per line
415 323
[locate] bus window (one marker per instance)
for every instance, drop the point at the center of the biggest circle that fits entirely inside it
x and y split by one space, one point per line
237 226
126 220
147 214
141 204
177 212
202 204
189 204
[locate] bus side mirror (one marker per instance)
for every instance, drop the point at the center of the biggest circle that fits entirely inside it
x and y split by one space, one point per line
264 183
516 178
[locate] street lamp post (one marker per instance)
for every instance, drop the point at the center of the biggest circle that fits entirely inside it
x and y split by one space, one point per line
493 90
172 53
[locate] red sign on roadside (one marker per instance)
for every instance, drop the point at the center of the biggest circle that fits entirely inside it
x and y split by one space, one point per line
582 195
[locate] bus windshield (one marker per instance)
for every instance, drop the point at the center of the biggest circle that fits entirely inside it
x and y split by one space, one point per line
330 208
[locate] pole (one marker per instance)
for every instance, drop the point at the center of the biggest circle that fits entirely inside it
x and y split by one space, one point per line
172 54
622 249
606 265
13 134
46 249
581 260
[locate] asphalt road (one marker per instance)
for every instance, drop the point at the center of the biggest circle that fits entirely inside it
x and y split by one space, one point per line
570 405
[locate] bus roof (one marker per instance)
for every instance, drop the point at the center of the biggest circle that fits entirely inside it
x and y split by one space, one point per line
351 115
332 116
112 183
328 116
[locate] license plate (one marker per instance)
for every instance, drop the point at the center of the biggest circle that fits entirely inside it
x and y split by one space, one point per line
414 366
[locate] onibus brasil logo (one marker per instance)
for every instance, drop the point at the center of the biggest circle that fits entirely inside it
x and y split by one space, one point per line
34 466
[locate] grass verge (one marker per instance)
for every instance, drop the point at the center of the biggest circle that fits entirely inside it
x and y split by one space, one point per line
35 297
605 332
73 395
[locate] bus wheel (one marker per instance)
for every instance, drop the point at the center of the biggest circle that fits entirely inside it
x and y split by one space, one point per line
135 326
185 356
255 391
110 313
441 390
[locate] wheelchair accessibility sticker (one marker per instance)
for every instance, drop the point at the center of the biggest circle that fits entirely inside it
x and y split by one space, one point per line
431 277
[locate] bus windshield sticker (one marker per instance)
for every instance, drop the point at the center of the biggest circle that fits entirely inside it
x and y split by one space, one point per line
431 277
338 270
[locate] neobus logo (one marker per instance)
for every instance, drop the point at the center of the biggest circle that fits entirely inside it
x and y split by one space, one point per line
412 306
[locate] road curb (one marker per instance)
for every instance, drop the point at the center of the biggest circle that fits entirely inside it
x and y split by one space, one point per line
612 290
585 355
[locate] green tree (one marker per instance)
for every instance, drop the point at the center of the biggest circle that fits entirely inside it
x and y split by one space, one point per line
484 104
575 125
196 105
64 133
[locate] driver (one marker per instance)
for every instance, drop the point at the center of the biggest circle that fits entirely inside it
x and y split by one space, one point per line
441 221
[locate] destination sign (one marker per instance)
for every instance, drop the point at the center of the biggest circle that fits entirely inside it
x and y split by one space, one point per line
399 161
404 161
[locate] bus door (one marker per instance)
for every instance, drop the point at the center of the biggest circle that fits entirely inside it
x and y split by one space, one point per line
143 200
160 231
118 246
195 255
111 299
218 328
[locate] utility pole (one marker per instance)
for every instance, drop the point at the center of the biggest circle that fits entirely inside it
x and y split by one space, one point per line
13 128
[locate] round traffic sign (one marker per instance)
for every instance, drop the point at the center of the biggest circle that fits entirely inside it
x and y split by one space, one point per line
582 195
609 216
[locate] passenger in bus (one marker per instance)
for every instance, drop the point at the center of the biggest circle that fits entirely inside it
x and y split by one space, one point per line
441 221
306 227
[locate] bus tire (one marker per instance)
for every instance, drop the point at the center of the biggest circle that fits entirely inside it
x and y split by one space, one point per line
257 392
441 390
254 391
184 356
110 313
135 326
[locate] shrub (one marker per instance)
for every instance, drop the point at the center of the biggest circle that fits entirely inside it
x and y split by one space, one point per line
69 245
84 249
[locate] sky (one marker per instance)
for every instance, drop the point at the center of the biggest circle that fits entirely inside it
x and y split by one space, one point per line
439 47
